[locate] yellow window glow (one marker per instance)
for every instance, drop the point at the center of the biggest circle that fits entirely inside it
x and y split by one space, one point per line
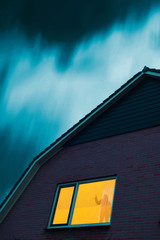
63 205
94 202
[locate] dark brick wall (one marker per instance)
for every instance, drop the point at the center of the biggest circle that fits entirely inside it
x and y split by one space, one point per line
133 157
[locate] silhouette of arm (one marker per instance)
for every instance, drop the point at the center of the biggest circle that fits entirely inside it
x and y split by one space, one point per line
96 200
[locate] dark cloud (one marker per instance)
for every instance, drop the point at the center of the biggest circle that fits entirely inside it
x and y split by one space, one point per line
14 158
3 76
66 22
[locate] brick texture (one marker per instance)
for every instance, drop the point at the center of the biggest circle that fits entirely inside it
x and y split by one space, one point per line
133 157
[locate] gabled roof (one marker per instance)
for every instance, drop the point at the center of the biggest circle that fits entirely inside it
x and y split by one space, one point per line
56 146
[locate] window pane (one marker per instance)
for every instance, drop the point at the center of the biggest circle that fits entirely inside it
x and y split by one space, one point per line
63 205
94 202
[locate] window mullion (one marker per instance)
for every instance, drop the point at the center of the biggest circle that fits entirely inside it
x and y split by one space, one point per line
73 204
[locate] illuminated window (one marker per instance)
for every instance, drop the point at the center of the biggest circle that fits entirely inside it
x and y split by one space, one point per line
85 203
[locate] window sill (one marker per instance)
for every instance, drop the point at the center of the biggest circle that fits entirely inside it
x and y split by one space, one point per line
78 226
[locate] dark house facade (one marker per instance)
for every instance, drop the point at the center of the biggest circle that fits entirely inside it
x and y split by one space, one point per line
101 179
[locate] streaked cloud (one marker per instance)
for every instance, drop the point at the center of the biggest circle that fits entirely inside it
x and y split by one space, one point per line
40 101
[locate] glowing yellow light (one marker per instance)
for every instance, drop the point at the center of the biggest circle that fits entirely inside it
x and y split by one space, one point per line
63 205
94 202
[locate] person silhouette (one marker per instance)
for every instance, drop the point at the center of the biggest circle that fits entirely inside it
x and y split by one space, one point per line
104 212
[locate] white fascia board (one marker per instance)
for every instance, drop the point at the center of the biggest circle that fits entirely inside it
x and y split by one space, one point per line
154 74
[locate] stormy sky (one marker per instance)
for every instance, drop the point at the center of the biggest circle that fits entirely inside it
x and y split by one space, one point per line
58 60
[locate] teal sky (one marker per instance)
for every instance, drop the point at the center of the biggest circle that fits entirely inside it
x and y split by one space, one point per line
47 86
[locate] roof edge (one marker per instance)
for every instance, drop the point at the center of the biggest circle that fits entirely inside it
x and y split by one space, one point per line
57 146
21 186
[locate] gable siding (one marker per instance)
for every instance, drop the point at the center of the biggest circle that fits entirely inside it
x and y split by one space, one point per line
138 109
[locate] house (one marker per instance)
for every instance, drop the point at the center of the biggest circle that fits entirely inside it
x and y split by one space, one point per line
99 180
